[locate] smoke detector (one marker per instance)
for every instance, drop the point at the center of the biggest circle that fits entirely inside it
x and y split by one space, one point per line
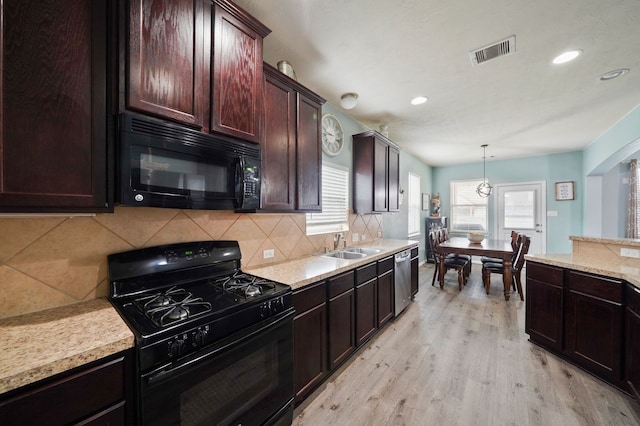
492 51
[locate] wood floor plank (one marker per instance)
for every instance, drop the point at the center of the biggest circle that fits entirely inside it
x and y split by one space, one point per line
462 358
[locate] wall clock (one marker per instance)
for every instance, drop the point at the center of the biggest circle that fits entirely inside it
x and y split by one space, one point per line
332 135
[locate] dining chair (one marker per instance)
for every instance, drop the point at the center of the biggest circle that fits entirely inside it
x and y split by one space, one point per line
446 262
515 242
489 268
466 257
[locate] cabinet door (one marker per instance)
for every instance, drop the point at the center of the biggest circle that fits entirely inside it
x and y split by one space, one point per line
632 356
341 328
544 305
310 349
414 276
279 146
237 82
594 324
53 134
380 200
309 157
99 388
385 298
393 190
168 72
366 310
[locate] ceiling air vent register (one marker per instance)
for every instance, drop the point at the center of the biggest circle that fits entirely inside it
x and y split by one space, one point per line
495 50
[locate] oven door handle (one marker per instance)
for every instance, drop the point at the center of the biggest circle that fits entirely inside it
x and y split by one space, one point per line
156 377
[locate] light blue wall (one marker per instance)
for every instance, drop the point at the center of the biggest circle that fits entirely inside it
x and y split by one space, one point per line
394 224
614 146
548 168
599 161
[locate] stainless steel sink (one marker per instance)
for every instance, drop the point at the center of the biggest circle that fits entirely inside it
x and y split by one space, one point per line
364 250
345 254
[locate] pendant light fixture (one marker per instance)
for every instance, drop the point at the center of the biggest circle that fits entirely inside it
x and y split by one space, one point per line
484 189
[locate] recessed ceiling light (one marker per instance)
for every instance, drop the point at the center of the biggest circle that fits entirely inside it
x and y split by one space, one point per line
613 74
567 56
418 100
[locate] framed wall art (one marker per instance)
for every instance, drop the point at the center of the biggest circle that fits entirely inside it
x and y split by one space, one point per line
564 191
426 202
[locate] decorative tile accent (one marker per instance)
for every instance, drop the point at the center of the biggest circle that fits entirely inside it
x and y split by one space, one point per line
50 262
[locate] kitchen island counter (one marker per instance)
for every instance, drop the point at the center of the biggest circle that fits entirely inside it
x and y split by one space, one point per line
41 344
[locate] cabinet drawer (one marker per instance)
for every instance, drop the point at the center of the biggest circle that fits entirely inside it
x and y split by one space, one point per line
365 273
69 398
414 252
547 274
633 298
385 265
309 297
340 284
593 285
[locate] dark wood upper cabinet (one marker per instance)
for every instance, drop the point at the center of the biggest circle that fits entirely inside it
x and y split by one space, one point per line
196 62
237 92
167 65
53 136
291 156
376 173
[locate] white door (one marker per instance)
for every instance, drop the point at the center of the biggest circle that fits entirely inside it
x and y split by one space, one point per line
521 207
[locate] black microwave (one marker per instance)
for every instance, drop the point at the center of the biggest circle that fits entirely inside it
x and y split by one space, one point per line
163 164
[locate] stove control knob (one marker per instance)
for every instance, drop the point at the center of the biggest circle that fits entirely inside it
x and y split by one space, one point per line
176 348
200 337
265 310
277 305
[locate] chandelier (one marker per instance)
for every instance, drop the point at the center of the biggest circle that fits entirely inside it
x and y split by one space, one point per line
484 189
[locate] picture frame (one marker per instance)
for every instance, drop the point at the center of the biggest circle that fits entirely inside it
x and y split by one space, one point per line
565 191
426 202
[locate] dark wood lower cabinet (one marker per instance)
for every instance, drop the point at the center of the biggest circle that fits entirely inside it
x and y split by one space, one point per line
385 297
581 317
632 340
386 290
309 339
98 393
414 271
593 324
366 315
341 317
544 305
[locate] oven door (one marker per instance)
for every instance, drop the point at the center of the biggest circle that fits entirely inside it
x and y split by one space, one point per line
246 379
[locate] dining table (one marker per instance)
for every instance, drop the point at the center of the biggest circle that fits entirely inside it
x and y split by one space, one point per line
490 248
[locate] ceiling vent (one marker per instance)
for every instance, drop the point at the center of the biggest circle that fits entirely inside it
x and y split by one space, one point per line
501 48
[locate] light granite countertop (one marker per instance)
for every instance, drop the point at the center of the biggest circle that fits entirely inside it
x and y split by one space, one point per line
621 241
307 270
39 345
630 274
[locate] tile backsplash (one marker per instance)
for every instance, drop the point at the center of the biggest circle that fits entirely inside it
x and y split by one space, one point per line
48 262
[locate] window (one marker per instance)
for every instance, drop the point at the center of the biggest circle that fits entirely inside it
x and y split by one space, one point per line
335 202
414 204
468 209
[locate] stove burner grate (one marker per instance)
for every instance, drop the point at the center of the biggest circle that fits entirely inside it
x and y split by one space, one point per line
244 285
171 306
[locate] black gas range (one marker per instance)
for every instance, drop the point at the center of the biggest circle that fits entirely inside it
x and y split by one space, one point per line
200 323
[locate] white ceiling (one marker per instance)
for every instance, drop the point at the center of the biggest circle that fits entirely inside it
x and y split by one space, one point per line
520 105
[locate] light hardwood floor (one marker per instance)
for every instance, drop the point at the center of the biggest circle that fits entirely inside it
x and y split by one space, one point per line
462 358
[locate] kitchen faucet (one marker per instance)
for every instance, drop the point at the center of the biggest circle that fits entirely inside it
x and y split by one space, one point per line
336 240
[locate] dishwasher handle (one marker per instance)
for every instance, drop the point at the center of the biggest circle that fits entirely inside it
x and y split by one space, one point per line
403 256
